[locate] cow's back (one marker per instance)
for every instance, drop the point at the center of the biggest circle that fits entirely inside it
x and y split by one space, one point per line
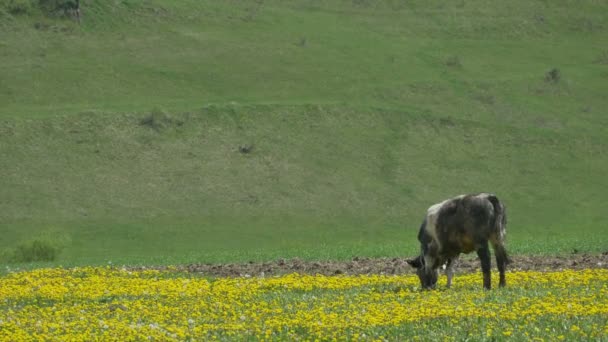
460 223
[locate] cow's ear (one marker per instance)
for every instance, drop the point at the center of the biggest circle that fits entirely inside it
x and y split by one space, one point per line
416 262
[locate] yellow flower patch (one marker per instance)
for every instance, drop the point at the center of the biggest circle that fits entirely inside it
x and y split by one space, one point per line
84 304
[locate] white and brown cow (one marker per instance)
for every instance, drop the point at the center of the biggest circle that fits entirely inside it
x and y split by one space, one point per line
461 225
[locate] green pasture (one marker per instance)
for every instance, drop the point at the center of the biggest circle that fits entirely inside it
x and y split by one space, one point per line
159 132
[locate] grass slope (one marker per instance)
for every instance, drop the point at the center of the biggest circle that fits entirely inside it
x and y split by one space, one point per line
120 138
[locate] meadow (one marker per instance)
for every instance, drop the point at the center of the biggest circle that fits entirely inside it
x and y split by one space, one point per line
113 304
154 139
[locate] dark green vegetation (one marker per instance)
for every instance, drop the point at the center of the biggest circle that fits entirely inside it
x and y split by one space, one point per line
191 131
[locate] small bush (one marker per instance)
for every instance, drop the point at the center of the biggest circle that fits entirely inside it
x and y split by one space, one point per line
156 119
18 7
57 5
49 7
159 120
553 75
453 62
61 8
36 250
245 149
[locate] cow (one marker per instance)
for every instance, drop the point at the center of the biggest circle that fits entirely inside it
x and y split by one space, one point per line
458 225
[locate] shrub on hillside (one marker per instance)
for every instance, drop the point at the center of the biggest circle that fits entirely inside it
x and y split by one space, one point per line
50 7
57 5
453 62
16 7
552 76
36 250
156 119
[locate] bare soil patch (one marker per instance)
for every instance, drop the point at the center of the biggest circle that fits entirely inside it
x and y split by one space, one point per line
360 265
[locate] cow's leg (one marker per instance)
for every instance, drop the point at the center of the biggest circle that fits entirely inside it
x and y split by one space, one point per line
501 261
483 251
449 270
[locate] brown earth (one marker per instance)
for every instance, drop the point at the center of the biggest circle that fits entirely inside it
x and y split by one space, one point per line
384 266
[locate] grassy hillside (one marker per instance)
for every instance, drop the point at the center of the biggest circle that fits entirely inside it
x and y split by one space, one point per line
119 137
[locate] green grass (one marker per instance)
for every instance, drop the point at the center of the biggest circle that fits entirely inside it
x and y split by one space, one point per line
361 115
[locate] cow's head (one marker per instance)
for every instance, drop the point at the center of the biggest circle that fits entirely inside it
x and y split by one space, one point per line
427 275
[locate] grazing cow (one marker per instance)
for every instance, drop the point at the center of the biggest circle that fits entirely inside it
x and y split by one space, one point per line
461 225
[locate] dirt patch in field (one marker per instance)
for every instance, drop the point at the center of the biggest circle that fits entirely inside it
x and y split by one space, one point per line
387 266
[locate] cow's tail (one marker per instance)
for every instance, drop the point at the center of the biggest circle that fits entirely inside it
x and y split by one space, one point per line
500 221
